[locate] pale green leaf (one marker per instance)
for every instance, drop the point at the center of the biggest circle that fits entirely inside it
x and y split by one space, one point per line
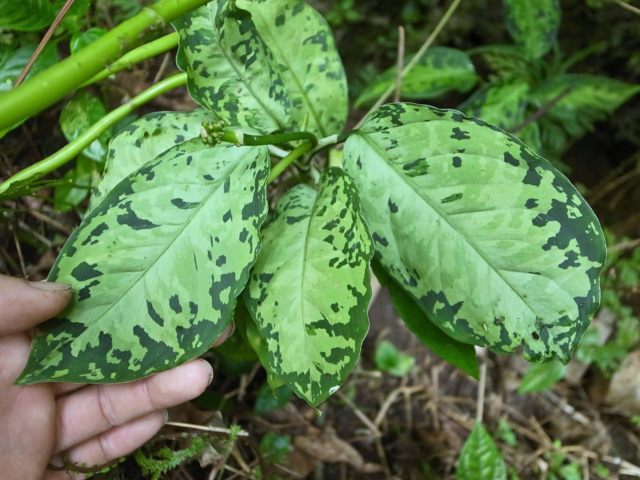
533 24
156 267
389 359
480 458
302 44
78 115
310 288
462 355
26 15
581 101
542 376
231 70
438 71
143 140
492 242
502 103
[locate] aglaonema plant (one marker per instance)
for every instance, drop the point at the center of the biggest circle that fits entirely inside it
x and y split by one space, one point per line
479 240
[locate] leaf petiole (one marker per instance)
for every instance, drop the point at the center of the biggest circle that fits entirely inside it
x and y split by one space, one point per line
279 167
71 150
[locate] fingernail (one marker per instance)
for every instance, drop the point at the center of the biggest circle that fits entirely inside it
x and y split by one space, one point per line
51 286
210 371
165 416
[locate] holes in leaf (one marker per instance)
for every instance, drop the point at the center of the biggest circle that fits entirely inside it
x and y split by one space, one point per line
535 336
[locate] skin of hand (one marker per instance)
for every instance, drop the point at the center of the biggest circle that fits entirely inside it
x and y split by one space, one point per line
93 424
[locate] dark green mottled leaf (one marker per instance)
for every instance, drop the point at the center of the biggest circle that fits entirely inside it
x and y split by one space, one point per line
268 399
231 70
583 100
26 15
533 24
81 40
302 45
310 287
502 103
462 355
76 184
156 267
491 241
542 376
480 458
439 70
78 115
12 62
143 140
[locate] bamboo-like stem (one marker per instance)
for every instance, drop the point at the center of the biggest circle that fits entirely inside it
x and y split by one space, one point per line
52 84
71 150
137 55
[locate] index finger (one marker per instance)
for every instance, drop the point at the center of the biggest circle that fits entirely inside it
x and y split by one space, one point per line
24 304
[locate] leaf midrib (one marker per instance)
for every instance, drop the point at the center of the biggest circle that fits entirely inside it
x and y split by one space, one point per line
438 210
242 77
294 75
169 244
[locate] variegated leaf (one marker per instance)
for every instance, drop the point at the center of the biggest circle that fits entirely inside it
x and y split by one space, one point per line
533 25
492 242
310 287
231 70
502 103
438 71
156 267
580 101
302 43
142 141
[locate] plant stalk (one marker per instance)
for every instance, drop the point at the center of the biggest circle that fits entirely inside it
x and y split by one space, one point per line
279 167
52 84
71 150
137 55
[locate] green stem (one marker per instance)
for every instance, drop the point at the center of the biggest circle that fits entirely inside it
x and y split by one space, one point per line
241 138
443 21
137 55
52 84
72 149
279 167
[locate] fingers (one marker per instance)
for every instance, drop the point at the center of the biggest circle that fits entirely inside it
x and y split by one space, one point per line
43 299
93 410
114 443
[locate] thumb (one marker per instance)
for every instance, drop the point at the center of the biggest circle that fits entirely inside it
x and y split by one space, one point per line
24 304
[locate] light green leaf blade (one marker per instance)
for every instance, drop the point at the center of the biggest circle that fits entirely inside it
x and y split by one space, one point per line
389 359
303 46
533 25
231 70
462 355
439 70
502 103
26 15
480 458
583 100
542 376
142 141
156 267
78 115
493 243
310 287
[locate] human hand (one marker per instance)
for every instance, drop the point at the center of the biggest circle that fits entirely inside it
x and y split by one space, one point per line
92 424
